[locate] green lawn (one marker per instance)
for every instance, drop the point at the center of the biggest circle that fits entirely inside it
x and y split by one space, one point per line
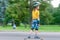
42 28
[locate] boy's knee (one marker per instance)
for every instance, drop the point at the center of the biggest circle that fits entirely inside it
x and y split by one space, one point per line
36 29
32 29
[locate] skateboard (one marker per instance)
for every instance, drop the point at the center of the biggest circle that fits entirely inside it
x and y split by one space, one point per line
32 38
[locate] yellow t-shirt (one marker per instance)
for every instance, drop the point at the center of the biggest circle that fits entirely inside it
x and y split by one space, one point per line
35 14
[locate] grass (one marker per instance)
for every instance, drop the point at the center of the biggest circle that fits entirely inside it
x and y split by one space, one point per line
42 28
50 28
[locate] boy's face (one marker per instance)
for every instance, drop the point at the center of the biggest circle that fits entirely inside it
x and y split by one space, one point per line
37 7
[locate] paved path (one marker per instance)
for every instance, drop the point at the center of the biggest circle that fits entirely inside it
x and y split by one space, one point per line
22 35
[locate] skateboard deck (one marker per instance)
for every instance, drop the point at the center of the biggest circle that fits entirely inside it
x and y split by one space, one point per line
33 39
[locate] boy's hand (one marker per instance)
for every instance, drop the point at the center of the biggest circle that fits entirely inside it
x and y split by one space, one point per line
38 19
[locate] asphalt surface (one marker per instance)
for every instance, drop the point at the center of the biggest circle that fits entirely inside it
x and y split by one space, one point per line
23 35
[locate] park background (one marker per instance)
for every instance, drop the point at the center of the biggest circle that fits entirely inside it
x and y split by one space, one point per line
18 13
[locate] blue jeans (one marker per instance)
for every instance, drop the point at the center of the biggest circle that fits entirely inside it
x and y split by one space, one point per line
34 24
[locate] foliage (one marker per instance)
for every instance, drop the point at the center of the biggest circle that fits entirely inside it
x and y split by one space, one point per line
19 11
57 15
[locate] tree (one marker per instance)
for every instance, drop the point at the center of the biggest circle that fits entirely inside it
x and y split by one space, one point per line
46 14
17 10
57 15
46 17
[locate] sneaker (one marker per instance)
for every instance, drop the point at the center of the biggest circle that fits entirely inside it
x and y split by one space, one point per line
36 37
29 37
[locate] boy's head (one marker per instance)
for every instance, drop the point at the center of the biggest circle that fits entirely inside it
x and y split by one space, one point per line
36 5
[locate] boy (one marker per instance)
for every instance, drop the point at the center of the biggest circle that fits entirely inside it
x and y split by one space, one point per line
35 19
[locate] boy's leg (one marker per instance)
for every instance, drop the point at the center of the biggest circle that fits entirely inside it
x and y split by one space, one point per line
37 27
31 31
37 34
36 30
